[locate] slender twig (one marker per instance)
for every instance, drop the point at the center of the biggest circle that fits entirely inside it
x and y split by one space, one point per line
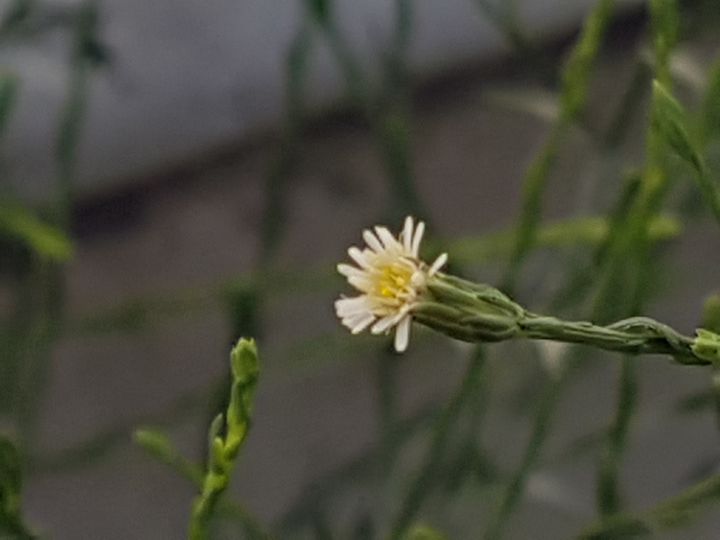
226 436
576 79
542 422
51 279
634 247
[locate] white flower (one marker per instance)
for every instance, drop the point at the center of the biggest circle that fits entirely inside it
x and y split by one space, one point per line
391 277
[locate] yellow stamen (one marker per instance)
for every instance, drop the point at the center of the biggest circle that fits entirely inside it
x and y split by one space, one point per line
394 281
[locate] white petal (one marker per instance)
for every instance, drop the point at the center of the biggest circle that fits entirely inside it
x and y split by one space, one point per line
359 257
349 270
345 307
361 323
417 238
402 334
385 323
388 239
363 284
371 257
390 320
438 264
372 241
407 234
418 279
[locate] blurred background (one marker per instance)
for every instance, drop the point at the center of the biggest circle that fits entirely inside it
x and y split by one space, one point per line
176 174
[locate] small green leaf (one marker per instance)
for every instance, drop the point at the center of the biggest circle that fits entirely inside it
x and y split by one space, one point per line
161 448
670 121
20 223
578 70
156 443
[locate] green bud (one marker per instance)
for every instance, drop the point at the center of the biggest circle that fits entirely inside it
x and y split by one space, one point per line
244 361
706 345
468 311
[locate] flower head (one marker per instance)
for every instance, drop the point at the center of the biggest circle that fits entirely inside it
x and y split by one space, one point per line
391 278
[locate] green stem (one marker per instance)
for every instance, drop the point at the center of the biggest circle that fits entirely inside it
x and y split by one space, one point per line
609 497
226 436
427 475
575 83
637 335
316 496
387 365
542 423
478 313
533 188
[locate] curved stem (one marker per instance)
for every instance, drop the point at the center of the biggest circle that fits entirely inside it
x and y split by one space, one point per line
478 313
638 335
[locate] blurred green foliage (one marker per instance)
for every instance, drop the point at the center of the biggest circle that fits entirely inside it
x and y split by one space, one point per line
11 522
609 266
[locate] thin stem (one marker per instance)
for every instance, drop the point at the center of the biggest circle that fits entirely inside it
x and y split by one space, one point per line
534 185
575 83
609 497
637 335
315 496
387 364
226 437
542 423
426 476
479 313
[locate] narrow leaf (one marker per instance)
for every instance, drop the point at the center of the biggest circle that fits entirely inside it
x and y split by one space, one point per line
670 120
21 224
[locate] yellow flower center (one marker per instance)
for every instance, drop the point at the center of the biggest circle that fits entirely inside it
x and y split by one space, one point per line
394 281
